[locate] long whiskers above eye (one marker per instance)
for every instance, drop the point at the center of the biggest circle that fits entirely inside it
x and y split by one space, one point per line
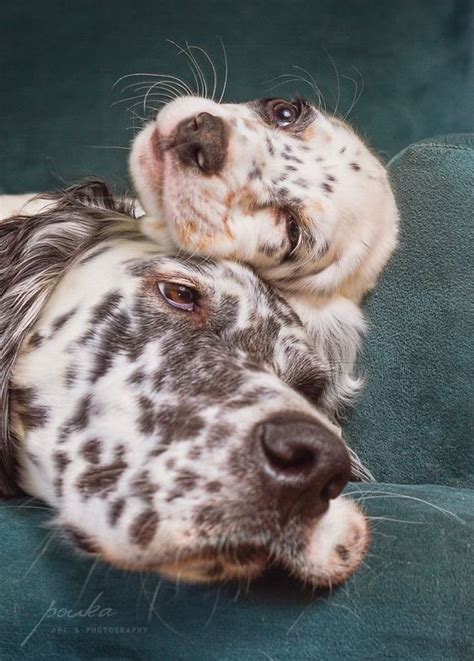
154 90
160 76
213 68
338 81
196 70
357 92
226 71
288 78
160 88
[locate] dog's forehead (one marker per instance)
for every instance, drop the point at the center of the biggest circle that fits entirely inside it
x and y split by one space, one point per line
214 277
236 297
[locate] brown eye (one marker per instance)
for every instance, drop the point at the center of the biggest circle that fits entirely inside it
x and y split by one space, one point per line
283 113
179 296
293 231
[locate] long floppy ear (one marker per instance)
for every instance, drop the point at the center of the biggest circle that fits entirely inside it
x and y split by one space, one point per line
35 251
15 233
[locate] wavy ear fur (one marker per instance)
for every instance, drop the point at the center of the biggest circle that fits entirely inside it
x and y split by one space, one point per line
35 252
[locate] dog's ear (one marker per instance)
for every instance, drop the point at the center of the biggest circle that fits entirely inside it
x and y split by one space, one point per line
13 240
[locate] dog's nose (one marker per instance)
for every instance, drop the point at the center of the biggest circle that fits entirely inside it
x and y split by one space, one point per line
301 457
202 142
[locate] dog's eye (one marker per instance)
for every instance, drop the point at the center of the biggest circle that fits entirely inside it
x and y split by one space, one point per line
283 113
179 296
293 231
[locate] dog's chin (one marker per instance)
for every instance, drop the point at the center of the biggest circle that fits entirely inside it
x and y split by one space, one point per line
325 553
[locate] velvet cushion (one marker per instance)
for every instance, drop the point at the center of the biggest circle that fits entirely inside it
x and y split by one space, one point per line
60 59
415 418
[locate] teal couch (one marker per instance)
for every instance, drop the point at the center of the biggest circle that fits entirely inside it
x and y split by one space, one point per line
412 597
413 422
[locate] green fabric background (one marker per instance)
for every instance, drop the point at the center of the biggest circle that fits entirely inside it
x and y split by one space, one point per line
413 423
59 60
415 419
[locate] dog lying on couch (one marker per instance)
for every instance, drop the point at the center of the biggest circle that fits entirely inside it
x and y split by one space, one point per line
165 406
212 185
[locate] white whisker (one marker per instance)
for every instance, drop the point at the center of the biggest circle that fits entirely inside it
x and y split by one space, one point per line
338 81
226 71
213 68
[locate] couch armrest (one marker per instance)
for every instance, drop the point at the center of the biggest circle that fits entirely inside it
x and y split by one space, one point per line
414 420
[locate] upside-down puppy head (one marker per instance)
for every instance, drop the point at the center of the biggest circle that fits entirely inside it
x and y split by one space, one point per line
166 408
277 184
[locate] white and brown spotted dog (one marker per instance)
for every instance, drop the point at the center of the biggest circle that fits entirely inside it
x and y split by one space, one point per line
165 406
284 187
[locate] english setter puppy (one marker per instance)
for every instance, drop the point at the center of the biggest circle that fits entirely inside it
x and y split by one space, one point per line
284 187
165 407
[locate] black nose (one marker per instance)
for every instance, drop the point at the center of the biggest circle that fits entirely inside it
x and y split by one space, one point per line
302 461
202 142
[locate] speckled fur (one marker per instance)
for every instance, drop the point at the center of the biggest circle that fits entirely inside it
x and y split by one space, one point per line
135 420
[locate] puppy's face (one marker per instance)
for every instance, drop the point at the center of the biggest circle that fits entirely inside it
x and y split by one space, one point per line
274 183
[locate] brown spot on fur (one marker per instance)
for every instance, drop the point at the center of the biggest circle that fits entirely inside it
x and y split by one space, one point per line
214 486
60 321
81 540
144 487
186 479
175 493
115 511
79 420
343 552
24 404
194 453
144 527
70 376
209 516
36 340
138 376
218 434
91 451
248 201
101 480
61 460
58 487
